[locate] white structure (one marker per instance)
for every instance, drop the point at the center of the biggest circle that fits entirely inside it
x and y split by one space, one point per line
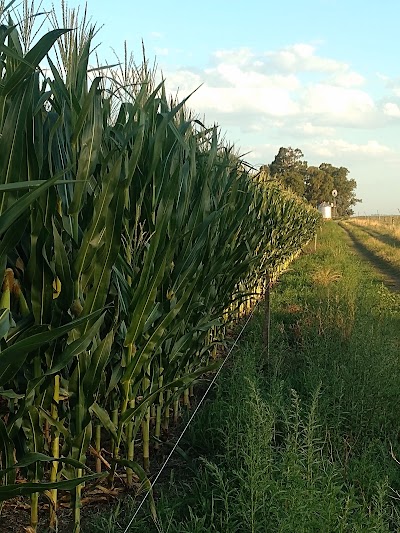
325 209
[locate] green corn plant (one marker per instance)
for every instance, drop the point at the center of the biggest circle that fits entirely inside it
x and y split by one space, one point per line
130 236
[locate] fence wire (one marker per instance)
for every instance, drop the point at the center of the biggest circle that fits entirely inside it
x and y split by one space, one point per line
190 420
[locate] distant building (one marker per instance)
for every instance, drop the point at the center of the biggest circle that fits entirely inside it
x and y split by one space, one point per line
325 209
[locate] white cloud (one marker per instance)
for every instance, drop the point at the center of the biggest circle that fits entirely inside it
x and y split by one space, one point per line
241 76
338 105
338 148
348 79
336 151
301 58
294 82
391 110
319 105
161 51
228 89
391 84
241 56
271 101
383 77
309 129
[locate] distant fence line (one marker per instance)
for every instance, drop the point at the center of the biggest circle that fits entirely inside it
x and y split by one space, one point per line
384 219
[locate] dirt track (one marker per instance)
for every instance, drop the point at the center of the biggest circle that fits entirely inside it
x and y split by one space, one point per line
390 275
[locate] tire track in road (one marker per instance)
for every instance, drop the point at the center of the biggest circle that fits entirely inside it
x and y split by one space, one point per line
385 239
390 275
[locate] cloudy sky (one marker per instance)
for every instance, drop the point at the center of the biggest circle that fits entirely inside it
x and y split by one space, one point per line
319 75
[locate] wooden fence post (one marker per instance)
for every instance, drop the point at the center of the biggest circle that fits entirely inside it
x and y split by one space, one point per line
267 315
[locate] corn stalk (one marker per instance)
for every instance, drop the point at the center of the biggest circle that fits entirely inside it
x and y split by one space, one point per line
131 236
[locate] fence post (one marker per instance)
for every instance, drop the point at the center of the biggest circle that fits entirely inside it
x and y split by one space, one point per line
267 315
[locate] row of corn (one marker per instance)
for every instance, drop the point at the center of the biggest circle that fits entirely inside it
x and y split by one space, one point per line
130 236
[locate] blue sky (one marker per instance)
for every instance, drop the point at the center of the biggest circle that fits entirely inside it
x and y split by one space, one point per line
319 75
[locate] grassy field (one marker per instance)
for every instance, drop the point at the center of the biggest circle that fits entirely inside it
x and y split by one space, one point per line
385 220
379 238
386 226
304 440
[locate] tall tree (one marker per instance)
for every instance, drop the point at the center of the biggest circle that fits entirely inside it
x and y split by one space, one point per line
314 183
318 185
289 169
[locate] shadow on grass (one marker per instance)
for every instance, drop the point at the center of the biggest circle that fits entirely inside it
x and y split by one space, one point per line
385 239
391 275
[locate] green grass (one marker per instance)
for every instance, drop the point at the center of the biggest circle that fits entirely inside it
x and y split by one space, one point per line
380 240
298 442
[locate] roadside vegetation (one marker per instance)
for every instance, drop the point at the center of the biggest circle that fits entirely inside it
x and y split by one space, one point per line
305 439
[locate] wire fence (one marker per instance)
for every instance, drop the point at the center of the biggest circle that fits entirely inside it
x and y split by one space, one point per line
156 478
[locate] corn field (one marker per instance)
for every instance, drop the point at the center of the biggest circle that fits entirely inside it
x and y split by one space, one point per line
131 236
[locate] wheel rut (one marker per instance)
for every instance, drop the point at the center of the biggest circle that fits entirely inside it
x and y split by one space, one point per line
390 275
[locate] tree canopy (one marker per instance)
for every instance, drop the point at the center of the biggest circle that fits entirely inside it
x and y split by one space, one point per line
313 183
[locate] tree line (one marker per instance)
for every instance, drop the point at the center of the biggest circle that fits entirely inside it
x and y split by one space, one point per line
313 183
